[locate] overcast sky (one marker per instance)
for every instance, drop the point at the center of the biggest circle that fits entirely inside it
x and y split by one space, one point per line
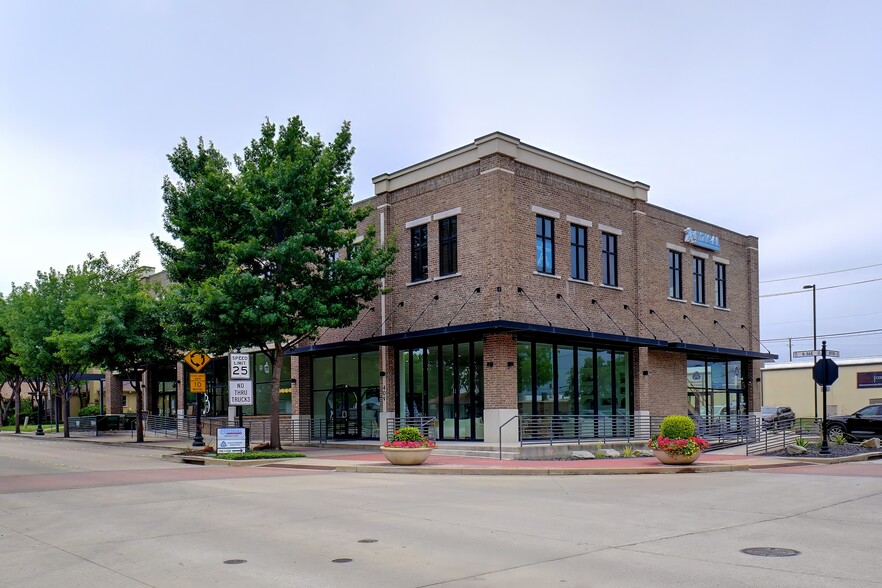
762 117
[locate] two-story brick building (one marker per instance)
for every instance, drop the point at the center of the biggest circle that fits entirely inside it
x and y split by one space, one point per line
527 283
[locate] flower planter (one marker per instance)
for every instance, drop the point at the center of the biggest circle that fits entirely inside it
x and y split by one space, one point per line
406 455
668 459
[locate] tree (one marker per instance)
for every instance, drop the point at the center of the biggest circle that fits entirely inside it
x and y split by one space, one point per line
41 322
119 326
260 259
10 372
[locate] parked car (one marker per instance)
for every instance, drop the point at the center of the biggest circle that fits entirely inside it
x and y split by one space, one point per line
863 424
777 417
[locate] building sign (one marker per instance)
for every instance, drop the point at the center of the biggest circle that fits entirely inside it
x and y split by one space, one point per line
241 392
869 380
240 366
701 239
198 384
231 441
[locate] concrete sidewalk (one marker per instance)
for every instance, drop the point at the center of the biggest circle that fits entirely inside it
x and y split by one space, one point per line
362 459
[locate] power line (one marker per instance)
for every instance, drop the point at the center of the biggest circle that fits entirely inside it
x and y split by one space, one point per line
821 288
826 318
830 336
851 269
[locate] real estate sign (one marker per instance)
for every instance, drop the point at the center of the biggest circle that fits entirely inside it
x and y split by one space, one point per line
231 440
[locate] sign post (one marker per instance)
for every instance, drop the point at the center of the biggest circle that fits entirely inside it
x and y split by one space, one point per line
241 385
825 373
197 362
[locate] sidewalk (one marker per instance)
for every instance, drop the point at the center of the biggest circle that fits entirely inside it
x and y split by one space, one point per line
341 458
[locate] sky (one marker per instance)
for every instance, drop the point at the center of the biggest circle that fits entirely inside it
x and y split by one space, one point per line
761 117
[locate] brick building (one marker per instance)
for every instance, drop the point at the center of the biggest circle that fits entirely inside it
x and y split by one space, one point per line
527 283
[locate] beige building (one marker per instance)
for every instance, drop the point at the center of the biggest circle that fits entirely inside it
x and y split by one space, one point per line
791 384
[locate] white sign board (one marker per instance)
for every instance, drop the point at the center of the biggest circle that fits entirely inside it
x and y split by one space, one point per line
241 392
815 353
240 366
231 441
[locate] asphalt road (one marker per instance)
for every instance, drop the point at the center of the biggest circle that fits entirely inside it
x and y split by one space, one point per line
79 514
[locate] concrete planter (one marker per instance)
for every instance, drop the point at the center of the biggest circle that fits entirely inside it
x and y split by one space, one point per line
668 459
406 455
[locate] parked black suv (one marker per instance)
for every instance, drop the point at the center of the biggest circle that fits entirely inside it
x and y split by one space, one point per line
864 424
777 417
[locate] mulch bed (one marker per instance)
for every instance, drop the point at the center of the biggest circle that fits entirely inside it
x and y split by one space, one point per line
845 450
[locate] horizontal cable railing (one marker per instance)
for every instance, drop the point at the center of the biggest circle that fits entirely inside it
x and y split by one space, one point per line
298 429
582 428
428 426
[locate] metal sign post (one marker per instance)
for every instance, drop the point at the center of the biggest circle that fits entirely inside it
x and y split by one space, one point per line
197 362
825 373
241 384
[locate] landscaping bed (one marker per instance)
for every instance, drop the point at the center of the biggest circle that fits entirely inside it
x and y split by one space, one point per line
814 450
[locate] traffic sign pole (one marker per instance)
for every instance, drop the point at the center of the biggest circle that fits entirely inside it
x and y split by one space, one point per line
825 448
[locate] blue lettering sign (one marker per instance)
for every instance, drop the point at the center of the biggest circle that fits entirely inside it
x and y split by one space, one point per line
701 239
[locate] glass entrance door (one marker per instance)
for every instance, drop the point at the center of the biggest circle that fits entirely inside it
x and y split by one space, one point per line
344 413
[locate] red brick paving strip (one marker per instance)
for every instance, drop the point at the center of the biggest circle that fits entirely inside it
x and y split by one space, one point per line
68 481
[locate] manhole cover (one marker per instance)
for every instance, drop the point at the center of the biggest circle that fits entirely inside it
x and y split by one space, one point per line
235 561
367 540
341 560
770 551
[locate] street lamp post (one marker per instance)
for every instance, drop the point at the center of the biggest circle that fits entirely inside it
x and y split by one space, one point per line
39 430
814 336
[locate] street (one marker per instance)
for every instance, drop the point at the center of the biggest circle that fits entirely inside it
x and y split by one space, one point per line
75 513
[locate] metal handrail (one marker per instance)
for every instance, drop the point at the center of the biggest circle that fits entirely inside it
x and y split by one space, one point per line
428 426
515 417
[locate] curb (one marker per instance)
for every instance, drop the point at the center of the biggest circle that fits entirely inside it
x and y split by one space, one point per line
552 471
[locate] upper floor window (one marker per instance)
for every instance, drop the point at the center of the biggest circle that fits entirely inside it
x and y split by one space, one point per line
609 261
578 252
419 253
447 246
698 280
544 244
720 283
675 270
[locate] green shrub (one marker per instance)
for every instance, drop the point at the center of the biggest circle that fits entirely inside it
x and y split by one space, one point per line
839 440
90 410
677 427
628 451
408 434
261 455
802 442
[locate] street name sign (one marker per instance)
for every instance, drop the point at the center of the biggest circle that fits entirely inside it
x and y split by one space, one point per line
241 392
815 353
240 366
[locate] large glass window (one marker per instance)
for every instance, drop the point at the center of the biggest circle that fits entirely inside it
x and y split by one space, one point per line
544 244
578 252
445 382
715 388
609 259
345 394
419 253
570 380
698 280
720 283
675 270
447 246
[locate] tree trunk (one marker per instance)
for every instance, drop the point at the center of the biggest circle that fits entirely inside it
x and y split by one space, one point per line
139 402
16 392
66 399
275 435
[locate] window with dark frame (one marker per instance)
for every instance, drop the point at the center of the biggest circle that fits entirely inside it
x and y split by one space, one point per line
579 252
675 283
544 244
419 253
447 246
609 262
698 280
720 285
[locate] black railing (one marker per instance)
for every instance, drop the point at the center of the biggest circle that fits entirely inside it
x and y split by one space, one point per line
428 426
298 429
582 428
774 437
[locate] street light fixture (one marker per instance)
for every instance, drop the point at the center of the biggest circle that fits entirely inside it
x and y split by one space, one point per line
814 337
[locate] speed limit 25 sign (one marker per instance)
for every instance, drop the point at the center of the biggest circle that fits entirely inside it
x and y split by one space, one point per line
240 366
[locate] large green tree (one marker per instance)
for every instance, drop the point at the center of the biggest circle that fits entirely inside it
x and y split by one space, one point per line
268 254
10 372
118 326
37 323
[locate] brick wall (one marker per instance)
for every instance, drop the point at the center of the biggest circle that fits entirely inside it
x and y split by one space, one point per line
500 380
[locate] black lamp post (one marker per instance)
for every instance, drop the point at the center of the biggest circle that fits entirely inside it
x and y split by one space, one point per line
39 409
814 336
198 441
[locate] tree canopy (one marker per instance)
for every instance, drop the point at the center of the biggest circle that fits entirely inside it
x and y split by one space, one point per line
269 252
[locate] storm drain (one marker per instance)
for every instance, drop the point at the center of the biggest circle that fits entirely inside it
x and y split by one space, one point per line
235 561
770 551
341 560
367 540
